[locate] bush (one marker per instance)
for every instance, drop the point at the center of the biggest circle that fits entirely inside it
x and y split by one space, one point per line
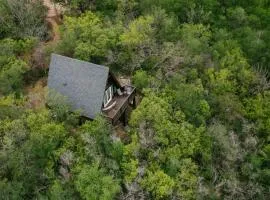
141 79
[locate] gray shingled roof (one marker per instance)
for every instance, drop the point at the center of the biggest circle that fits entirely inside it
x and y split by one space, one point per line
83 83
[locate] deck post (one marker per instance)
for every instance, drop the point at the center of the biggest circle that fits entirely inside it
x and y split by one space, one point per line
134 105
125 118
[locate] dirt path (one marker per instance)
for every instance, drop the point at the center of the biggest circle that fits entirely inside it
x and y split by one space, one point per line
52 12
53 18
36 89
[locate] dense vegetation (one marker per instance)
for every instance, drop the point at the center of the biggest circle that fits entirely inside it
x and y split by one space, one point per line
201 131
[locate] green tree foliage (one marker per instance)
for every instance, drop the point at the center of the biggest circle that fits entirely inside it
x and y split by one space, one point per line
19 19
99 146
196 37
62 191
187 179
10 107
92 183
12 68
186 11
201 130
139 33
38 156
85 37
164 140
141 79
159 184
237 17
11 76
81 6
26 152
190 98
137 39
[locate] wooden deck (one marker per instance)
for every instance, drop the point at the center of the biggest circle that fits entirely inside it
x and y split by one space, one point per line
122 103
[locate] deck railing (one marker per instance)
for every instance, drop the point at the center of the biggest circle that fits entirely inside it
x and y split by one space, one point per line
120 107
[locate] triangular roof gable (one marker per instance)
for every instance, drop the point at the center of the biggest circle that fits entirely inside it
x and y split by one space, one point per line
83 83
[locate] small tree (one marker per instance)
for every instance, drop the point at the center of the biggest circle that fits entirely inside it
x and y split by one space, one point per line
22 18
159 184
93 184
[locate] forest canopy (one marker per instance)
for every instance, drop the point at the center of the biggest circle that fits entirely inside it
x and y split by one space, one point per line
201 130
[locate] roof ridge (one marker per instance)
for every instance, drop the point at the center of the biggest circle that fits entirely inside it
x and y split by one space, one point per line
75 59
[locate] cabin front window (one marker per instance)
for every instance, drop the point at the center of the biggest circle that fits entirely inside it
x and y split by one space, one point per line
108 96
